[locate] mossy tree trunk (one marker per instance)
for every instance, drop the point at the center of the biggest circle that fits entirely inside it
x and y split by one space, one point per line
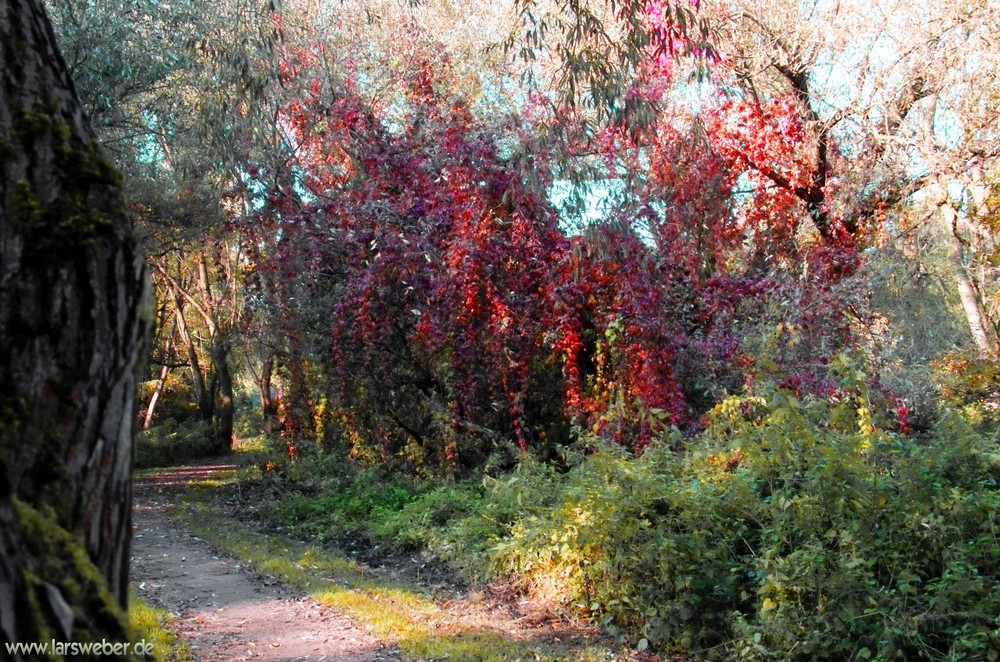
73 322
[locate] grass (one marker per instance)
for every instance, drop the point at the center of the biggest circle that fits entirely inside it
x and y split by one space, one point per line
400 613
149 625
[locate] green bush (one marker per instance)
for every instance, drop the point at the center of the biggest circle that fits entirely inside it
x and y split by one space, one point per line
445 520
634 543
170 443
324 496
463 522
790 529
347 510
970 385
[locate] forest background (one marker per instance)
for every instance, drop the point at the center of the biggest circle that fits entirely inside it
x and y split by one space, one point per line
682 317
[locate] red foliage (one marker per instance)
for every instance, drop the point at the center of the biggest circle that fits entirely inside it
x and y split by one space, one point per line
431 288
438 273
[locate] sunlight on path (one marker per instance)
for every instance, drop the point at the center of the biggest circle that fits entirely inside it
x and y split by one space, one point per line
224 610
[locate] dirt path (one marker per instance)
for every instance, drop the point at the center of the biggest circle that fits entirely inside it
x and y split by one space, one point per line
224 610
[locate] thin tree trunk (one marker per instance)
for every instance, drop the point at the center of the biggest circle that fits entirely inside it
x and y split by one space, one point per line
201 391
224 402
72 328
975 316
164 372
268 404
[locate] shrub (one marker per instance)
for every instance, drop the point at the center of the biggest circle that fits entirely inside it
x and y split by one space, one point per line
171 443
176 402
792 528
971 386
325 496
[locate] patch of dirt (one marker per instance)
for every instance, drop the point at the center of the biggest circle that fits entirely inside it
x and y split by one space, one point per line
227 611
224 610
496 606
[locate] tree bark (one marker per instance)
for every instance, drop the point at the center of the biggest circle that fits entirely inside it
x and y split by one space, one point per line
73 323
268 403
147 420
975 316
224 401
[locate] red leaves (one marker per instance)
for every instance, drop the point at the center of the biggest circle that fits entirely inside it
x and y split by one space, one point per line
434 292
445 272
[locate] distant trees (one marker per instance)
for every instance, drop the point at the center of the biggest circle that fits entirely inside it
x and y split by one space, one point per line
178 93
747 157
202 283
869 111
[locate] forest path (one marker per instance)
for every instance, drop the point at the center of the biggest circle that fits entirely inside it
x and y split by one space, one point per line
273 597
226 610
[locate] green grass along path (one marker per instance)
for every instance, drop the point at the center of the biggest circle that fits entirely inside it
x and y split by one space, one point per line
239 593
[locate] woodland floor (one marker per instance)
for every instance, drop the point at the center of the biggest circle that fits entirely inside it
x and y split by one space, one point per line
225 609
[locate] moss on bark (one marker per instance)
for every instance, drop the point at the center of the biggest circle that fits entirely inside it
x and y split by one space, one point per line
78 216
72 327
62 595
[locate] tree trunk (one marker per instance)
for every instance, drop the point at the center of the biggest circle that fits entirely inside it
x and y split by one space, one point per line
147 420
201 391
224 402
268 403
982 335
73 320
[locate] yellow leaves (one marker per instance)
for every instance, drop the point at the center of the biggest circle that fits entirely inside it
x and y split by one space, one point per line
725 462
768 605
790 330
736 411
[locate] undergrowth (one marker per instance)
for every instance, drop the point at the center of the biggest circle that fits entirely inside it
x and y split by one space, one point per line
792 527
170 443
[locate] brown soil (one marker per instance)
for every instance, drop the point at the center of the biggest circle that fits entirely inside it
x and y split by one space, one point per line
227 611
224 610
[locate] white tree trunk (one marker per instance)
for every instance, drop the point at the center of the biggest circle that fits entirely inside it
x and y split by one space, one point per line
982 334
